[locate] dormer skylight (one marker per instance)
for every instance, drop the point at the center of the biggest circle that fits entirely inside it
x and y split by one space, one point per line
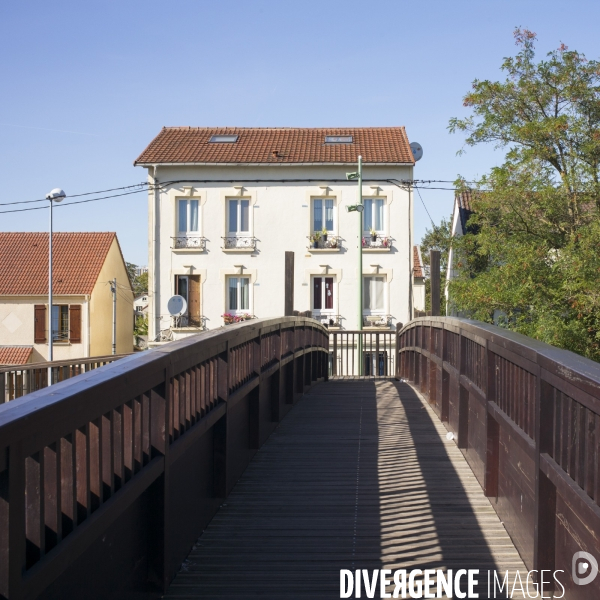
224 139
338 139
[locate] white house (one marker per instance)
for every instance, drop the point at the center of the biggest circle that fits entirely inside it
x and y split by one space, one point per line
140 305
226 203
418 280
460 216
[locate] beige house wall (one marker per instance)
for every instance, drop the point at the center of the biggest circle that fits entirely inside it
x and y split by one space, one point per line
17 326
101 307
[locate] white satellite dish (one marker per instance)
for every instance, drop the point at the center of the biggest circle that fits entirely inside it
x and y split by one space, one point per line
417 150
176 306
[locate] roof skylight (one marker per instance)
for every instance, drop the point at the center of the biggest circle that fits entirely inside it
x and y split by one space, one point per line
224 139
338 139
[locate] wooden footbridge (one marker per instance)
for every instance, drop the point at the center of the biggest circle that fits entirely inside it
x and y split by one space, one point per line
241 464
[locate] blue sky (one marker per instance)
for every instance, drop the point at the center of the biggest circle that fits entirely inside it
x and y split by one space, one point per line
86 85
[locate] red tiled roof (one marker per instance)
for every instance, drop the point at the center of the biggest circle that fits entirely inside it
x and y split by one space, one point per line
277 145
465 199
76 263
417 267
15 355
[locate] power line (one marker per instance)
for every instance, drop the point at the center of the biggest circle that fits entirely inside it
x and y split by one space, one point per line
423 203
71 203
77 195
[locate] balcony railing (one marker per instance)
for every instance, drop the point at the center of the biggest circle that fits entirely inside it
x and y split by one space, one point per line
383 321
329 242
327 319
189 242
187 321
377 242
239 242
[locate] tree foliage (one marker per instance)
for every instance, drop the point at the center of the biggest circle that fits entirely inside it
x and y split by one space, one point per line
439 237
534 257
139 283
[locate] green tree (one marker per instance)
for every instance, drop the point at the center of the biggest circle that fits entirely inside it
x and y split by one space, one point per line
439 237
533 258
139 283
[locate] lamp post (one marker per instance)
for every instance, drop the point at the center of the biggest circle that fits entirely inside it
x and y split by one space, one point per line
359 208
56 195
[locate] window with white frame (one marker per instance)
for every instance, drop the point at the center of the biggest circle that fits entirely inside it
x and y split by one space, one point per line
373 295
187 217
238 294
238 216
373 214
323 294
323 214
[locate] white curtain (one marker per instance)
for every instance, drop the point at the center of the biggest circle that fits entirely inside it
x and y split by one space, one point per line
193 215
244 293
373 293
183 215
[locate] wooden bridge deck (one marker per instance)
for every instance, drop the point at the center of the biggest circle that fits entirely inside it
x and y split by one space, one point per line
358 475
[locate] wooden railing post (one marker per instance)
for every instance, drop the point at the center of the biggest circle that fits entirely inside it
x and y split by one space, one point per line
16 525
544 539
492 465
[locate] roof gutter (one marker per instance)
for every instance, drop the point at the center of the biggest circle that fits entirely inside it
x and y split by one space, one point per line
265 164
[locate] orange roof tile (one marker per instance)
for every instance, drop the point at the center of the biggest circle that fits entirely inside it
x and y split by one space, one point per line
76 263
277 145
15 355
417 266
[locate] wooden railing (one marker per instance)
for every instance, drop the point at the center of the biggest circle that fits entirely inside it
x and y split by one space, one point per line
368 353
527 418
107 480
18 380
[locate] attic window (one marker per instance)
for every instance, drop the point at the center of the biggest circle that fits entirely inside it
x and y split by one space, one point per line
338 139
224 139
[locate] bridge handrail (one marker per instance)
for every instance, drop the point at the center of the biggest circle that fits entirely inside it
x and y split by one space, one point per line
526 415
19 380
96 443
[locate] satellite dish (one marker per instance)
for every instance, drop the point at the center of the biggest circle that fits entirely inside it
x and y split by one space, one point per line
176 306
417 150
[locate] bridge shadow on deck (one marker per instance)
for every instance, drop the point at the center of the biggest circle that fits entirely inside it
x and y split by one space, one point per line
359 475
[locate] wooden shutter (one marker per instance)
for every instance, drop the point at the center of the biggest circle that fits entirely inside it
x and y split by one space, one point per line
39 335
75 323
194 300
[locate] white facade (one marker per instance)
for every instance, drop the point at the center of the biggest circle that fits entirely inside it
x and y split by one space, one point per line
191 223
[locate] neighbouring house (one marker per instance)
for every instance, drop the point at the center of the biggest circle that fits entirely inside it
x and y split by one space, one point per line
82 304
418 280
463 209
140 305
226 203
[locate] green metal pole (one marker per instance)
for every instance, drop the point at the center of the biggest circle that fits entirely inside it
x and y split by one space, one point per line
360 265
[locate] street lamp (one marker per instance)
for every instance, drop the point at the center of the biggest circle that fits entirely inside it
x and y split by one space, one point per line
56 195
358 207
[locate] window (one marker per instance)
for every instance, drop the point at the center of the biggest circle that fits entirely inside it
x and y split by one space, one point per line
373 301
224 139
322 294
139 308
60 323
238 218
338 139
238 294
373 214
187 216
323 214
